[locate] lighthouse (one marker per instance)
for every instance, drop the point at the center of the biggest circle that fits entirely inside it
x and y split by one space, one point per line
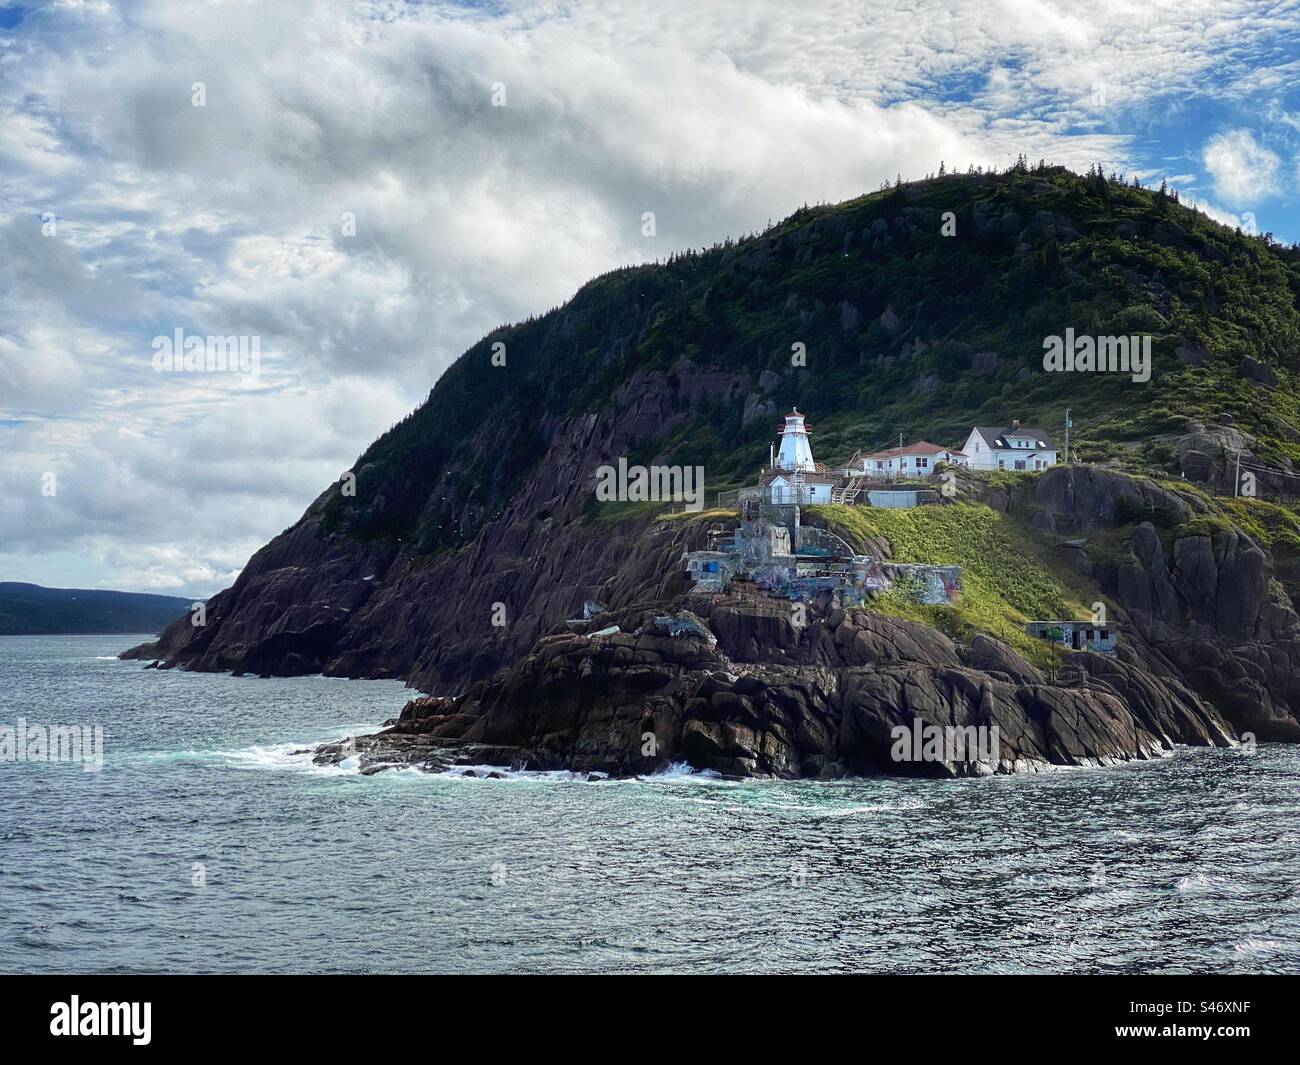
796 451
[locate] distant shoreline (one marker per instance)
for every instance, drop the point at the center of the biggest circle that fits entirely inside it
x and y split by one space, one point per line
44 635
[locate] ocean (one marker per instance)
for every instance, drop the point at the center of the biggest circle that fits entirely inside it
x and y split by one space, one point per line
207 843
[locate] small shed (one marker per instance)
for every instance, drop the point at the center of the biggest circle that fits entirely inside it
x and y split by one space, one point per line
1076 635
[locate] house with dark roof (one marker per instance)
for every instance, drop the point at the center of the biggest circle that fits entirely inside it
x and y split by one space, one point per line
1013 447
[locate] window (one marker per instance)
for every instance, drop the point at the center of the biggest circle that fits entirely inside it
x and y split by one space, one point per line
922 463
1020 464
1002 464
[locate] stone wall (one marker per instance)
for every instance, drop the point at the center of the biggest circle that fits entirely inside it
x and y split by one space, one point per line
812 540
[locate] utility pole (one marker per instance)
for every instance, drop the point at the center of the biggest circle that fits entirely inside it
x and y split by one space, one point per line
1068 423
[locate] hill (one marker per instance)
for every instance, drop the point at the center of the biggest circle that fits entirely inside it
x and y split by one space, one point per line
30 610
905 330
473 531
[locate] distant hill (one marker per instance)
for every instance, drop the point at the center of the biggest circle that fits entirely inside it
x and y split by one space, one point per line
30 610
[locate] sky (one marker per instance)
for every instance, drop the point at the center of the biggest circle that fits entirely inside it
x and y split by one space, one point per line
362 190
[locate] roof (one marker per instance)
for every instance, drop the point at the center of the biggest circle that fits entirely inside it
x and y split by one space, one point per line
770 475
996 436
921 447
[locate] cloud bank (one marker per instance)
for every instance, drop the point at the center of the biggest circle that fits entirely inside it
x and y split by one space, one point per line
369 187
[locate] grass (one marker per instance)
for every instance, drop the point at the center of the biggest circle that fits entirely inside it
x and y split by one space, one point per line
615 511
716 514
1271 525
1008 577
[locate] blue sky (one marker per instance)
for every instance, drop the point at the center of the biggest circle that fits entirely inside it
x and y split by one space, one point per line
126 211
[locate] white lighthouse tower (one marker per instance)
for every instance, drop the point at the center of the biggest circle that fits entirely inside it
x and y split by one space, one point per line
796 451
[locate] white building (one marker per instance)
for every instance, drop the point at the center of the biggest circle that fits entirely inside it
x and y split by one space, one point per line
796 449
797 487
1015 447
913 460
794 476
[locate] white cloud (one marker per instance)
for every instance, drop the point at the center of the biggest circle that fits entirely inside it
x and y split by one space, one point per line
227 218
1244 171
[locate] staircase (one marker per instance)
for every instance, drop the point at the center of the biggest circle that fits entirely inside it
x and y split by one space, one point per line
849 493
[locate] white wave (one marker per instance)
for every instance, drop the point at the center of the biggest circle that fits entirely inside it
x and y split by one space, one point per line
1195 882
1257 946
294 755
683 773
496 773
281 756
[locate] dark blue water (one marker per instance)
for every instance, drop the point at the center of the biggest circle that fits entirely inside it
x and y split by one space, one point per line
1186 864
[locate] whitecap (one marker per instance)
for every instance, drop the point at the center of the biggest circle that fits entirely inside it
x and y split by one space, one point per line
1195 882
684 773
1257 946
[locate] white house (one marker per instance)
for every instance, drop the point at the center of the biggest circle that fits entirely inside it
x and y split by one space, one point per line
914 460
1015 447
797 487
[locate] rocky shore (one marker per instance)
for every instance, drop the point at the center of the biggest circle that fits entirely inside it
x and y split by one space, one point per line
1210 649
828 701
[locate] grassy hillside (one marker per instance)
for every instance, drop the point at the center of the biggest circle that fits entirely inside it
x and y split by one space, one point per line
906 330
1008 576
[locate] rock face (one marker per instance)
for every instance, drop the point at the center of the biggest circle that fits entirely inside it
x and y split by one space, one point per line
1198 599
1211 647
848 692
312 601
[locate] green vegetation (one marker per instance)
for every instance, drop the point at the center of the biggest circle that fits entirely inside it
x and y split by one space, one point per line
717 514
1273 526
616 511
1008 576
906 331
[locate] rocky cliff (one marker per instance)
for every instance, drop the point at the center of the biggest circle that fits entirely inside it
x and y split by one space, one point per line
827 700
316 600
1195 595
1208 652
461 543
